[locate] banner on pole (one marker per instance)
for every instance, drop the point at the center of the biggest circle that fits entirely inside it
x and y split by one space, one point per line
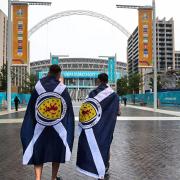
54 60
20 34
111 69
145 37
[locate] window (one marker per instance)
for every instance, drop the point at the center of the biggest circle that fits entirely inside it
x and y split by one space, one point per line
145 53
145 30
145 39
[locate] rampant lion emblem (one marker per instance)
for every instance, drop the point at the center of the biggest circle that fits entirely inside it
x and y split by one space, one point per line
87 112
50 108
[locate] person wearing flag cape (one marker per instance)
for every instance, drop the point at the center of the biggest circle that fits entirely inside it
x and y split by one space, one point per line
47 132
97 119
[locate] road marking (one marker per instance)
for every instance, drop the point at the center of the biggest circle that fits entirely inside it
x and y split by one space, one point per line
12 111
162 111
119 118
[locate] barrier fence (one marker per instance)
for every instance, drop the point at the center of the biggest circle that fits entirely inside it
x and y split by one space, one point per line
24 99
168 98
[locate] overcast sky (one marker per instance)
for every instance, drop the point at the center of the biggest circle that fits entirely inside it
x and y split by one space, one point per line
84 36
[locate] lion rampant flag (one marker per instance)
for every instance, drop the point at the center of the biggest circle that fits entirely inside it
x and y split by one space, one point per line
97 118
47 132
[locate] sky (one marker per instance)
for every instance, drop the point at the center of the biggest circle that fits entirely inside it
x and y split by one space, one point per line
86 36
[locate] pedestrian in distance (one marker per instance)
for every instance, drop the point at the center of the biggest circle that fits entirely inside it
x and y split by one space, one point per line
16 102
125 100
97 119
47 132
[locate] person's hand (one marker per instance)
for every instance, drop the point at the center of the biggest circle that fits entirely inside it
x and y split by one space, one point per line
119 114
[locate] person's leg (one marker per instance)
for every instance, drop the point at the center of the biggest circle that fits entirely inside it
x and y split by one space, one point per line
16 107
108 164
38 171
55 168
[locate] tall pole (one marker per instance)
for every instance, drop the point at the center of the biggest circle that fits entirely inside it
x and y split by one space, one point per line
115 72
154 55
9 50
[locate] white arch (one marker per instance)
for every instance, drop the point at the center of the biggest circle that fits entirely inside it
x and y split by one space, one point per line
77 12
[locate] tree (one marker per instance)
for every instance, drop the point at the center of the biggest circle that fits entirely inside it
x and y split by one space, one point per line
159 83
122 86
3 78
178 84
29 83
134 83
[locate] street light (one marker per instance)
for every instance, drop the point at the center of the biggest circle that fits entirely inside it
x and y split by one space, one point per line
9 55
9 44
154 43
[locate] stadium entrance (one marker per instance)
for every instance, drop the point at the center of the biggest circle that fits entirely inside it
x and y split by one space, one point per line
80 74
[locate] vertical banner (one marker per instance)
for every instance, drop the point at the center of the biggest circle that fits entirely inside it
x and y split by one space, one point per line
54 60
145 38
111 69
20 34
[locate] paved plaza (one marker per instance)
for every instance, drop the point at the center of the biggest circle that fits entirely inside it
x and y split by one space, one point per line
141 150
125 112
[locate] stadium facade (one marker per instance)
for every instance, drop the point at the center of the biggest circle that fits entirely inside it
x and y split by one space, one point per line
79 74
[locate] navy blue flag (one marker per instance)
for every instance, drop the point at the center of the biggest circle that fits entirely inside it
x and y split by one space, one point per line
47 132
97 119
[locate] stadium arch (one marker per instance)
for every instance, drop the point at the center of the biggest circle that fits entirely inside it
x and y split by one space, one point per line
77 12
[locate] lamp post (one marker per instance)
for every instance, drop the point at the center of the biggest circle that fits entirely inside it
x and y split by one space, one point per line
9 50
154 44
154 55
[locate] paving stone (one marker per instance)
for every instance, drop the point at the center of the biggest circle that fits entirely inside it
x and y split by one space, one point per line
141 150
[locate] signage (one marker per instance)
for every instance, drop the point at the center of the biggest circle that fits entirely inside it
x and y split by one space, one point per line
111 69
145 38
73 74
77 74
54 60
20 34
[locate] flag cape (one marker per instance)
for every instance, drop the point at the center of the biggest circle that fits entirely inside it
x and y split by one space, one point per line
97 118
47 132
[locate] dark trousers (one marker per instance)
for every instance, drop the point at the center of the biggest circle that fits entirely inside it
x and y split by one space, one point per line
16 107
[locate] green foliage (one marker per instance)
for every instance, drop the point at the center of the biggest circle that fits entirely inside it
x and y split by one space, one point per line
29 83
129 85
134 83
159 83
178 84
3 77
122 86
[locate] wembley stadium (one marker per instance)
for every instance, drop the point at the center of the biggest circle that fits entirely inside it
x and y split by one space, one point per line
79 74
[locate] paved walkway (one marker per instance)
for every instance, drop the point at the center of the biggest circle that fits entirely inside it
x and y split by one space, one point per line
128 111
141 150
162 111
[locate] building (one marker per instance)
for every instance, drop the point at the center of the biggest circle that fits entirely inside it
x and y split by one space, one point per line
3 38
177 60
133 53
164 45
79 74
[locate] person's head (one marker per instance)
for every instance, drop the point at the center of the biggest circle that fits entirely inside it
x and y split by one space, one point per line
54 71
102 78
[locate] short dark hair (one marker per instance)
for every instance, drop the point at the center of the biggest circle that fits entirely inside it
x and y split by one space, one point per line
54 70
103 77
